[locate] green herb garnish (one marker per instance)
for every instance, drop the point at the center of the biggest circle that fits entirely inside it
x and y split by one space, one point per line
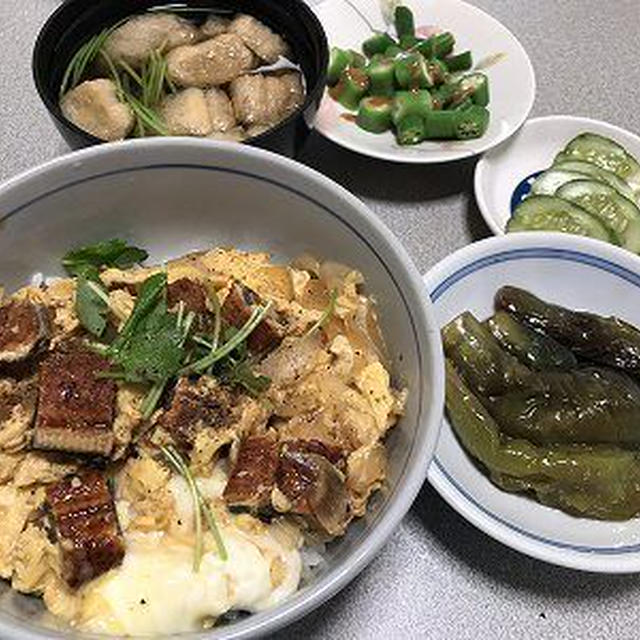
92 303
151 345
239 373
200 507
111 253
201 365
326 314
83 58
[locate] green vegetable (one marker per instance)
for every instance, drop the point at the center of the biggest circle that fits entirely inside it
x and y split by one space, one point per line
351 88
201 365
457 125
408 42
487 368
378 43
415 103
374 114
91 304
588 405
381 77
357 61
200 507
533 349
461 62
339 60
594 481
438 71
403 18
474 86
608 341
412 72
548 213
83 58
393 51
619 215
150 347
410 129
442 44
548 182
112 253
443 95
586 169
326 314
606 154
239 373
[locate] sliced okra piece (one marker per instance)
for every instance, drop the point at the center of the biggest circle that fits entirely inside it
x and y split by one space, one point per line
460 62
457 125
410 129
442 44
403 18
381 72
411 103
411 71
378 43
339 60
374 114
351 88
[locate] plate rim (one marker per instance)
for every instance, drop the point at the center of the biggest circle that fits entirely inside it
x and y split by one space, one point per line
479 178
443 480
464 153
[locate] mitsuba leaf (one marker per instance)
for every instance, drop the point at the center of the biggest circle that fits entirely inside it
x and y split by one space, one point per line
110 253
90 306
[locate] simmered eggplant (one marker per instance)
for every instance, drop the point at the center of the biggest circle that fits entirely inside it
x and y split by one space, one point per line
533 349
596 481
591 405
608 341
485 366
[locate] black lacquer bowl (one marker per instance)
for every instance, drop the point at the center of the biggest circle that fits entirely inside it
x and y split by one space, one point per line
75 21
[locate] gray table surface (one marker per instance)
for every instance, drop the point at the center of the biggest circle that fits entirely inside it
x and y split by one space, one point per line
438 577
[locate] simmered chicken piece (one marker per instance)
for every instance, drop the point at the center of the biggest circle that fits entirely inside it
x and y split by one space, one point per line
220 110
75 406
94 107
266 44
186 113
215 25
260 99
210 63
134 41
23 326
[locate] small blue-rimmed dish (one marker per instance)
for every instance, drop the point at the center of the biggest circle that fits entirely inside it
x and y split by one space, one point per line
579 273
504 175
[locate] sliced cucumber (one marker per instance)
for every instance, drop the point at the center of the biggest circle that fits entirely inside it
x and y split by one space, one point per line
547 183
617 213
596 173
548 213
607 154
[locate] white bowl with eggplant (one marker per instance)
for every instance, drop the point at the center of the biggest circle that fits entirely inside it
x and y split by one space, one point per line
539 446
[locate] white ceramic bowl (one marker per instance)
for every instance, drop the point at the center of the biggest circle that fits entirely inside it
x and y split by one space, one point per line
496 52
176 195
500 171
579 273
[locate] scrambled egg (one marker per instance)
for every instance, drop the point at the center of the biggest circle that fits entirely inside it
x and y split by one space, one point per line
156 591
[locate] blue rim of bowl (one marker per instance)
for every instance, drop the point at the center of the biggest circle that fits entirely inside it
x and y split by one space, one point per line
532 253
